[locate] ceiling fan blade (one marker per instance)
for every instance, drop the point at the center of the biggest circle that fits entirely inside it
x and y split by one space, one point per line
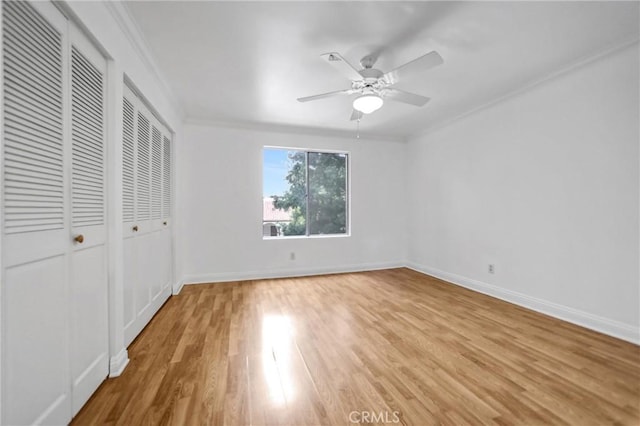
405 97
326 95
423 63
345 68
356 115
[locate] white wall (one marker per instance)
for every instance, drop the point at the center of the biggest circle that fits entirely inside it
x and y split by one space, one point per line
545 186
220 207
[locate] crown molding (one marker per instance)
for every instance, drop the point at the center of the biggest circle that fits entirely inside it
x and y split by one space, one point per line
290 129
567 69
131 30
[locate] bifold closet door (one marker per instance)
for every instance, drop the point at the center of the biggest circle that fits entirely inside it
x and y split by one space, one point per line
89 295
146 213
54 284
36 233
129 228
166 246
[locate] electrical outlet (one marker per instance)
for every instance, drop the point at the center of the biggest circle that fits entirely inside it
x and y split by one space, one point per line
492 269
292 255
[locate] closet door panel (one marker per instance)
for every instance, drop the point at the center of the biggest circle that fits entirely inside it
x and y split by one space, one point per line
158 274
130 279
35 374
145 265
90 358
89 292
167 193
130 226
36 364
140 269
165 258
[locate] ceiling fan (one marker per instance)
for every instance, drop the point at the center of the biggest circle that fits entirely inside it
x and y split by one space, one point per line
372 85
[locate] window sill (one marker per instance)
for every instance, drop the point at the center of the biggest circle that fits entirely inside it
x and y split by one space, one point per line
305 237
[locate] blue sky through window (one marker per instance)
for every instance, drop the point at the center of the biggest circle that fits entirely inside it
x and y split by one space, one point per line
275 167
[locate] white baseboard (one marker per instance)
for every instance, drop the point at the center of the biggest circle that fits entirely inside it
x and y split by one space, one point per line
118 363
285 273
584 319
177 287
575 316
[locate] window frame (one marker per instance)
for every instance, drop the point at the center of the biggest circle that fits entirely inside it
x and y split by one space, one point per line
307 151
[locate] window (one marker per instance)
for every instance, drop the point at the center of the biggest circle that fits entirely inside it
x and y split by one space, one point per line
304 193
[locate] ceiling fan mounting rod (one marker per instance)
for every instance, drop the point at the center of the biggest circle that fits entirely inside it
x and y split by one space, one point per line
368 61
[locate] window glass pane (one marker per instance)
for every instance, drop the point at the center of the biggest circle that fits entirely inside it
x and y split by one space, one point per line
327 176
304 193
284 190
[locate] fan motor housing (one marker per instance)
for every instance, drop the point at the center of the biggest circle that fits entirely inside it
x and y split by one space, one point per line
371 73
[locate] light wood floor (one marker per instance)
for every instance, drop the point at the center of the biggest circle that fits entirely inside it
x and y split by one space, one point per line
386 345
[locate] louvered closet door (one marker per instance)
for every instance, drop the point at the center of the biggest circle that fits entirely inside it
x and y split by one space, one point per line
54 284
137 203
155 239
166 255
129 161
143 242
146 212
36 234
89 310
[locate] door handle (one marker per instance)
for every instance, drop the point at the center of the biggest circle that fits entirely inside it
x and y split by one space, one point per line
135 228
79 239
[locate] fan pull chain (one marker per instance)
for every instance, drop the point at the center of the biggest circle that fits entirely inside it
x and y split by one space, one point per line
358 130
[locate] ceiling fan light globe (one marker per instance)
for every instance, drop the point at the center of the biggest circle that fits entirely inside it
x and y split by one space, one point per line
367 103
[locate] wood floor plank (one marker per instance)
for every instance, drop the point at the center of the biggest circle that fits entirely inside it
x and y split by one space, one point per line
370 347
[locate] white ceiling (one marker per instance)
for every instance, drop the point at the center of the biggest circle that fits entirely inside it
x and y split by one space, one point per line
245 63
